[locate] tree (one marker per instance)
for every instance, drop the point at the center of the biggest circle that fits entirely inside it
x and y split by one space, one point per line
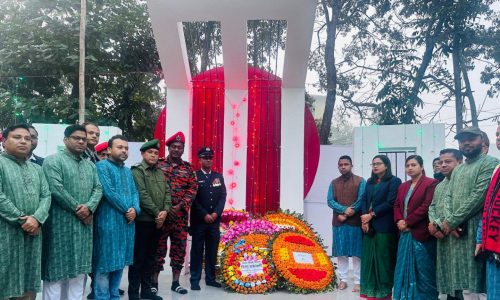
81 68
397 50
340 18
40 42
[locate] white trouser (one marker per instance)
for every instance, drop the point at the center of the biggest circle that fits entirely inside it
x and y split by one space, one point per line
69 289
343 268
473 296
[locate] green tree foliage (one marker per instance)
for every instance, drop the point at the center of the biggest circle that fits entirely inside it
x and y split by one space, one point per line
39 42
388 54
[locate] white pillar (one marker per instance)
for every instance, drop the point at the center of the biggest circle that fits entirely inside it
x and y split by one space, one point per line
179 116
292 149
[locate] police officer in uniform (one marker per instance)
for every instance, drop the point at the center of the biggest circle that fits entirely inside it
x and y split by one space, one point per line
205 217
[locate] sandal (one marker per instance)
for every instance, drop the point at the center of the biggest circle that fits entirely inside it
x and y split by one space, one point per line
176 287
342 285
356 288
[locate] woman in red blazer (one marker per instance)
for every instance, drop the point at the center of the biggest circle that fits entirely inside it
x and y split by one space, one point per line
415 274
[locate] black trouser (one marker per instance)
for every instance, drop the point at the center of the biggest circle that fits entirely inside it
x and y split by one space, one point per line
146 242
205 241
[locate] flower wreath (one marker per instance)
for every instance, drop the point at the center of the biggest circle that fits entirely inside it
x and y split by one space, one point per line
231 217
247 269
249 226
291 221
256 239
302 263
234 215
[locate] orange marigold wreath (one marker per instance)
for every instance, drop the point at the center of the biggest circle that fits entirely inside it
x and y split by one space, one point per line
291 221
302 263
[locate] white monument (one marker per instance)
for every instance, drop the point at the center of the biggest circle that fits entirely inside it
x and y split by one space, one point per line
167 17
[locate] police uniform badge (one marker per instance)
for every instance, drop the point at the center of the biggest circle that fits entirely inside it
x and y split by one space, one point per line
216 182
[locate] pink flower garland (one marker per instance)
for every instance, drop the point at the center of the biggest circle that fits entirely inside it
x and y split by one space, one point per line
249 226
234 216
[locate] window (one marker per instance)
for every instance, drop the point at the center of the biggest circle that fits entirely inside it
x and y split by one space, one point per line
398 157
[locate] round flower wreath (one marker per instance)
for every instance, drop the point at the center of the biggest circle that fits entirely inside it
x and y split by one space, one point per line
302 263
291 221
247 269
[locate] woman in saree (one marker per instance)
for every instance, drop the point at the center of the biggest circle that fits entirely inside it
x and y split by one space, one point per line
378 255
415 275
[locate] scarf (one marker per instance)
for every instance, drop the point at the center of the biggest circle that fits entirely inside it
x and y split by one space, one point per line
491 216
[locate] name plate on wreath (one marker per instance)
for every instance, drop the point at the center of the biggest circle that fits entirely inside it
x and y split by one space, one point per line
251 267
303 258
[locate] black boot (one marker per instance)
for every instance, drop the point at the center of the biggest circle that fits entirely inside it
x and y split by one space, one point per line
146 293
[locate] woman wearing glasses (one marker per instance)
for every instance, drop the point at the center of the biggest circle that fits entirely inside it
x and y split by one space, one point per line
413 280
378 256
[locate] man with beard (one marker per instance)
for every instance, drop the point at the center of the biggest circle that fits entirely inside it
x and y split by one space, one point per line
449 160
34 143
488 238
464 204
76 192
344 198
24 207
182 181
94 154
114 221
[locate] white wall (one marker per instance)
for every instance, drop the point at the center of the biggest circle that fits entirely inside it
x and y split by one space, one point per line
426 139
50 137
316 210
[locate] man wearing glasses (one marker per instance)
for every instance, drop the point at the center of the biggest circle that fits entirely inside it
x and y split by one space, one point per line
67 244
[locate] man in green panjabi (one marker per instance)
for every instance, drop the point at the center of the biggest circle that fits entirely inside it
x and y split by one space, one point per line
463 207
76 192
449 159
24 207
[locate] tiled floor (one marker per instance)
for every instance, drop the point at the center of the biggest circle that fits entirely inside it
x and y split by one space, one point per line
210 293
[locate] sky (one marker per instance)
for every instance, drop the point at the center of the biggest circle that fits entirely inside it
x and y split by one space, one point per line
487 107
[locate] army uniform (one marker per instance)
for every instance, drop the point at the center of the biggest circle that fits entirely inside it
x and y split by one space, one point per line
154 197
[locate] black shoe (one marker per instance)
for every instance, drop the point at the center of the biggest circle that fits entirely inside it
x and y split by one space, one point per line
148 294
121 292
214 284
176 287
134 297
154 288
91 295
195 286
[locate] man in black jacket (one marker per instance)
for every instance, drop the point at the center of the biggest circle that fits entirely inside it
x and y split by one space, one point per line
206 211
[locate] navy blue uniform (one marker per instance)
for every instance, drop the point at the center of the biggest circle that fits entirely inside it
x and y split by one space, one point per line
210 198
